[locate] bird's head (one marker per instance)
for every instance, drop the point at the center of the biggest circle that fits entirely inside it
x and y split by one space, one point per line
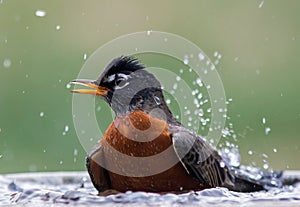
126 86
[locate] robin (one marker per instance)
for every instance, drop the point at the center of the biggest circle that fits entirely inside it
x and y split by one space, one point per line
145 148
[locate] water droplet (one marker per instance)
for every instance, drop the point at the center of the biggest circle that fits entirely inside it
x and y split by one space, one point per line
261 4
194 92
98 108
68 85
178 78
40 13
185 60
42 114
1 156
216 53
66 128
75 152
181 71
84 56
199 96
219 56
57 27
199 112
6 63
187 112
274 150
263 120
181 188
267 130
196 102
201 56
168 101
199 82
175 85
148 32
222 164
225 132
265 166
61 162
157 100
250 152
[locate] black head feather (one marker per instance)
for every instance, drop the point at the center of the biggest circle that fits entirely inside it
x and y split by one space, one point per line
124 64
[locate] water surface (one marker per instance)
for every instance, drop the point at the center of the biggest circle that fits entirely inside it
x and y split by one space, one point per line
75 189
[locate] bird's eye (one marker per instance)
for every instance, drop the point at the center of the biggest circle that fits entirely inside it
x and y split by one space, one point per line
121 81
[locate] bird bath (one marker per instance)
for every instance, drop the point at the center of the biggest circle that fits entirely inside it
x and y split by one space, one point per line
75 189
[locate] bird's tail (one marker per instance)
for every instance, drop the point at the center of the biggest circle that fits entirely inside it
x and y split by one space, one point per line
250 179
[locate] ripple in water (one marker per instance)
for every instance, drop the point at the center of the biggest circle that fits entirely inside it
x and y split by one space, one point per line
75 188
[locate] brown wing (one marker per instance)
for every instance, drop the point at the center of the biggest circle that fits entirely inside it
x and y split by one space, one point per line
200 159
99 175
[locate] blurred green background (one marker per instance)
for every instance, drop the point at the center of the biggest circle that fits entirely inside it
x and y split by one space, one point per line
41 52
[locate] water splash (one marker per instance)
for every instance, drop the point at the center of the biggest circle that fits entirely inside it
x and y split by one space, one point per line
75 188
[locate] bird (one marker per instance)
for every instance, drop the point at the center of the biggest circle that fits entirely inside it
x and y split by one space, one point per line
146 148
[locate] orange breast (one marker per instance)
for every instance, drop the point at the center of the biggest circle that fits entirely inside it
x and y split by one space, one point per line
140 157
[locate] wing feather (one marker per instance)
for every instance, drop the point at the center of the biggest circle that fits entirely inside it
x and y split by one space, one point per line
99 175
200 159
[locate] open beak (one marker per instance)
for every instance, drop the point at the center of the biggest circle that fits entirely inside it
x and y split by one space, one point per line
96 90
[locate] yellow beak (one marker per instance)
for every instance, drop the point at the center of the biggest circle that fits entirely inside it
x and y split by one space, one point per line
97 90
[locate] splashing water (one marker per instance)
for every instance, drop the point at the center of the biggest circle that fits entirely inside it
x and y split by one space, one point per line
75 188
